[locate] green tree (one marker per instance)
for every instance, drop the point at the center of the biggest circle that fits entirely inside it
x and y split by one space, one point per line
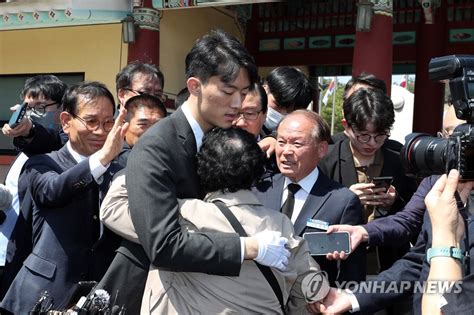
326 110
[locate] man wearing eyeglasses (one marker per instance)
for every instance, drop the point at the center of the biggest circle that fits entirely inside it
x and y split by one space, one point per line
134 79
362 155
139 78
69 243
42 94
253 112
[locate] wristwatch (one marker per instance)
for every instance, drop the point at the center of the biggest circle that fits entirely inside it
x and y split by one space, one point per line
452 251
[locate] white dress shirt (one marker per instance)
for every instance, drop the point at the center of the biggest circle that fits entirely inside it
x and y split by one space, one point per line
301 195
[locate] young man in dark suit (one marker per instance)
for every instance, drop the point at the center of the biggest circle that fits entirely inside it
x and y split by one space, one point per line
161 167
302 141
363 154
69 243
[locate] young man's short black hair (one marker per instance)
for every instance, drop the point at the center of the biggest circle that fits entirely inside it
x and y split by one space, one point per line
90 90
290 87
229 160
124 78
369 106
263 96
367 79
144 100
47 85
219 54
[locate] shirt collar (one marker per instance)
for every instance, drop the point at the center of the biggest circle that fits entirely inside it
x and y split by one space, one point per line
307 182
77 157
197 130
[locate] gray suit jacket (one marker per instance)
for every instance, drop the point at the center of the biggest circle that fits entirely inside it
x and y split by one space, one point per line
330 202
162 168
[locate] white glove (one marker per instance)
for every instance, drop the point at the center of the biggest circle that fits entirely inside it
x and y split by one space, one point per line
271 250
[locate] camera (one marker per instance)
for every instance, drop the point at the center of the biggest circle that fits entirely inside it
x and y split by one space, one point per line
423 154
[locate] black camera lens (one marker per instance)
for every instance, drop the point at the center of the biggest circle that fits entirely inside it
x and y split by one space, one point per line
423 154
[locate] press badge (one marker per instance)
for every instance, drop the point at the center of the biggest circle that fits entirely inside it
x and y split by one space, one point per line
317 224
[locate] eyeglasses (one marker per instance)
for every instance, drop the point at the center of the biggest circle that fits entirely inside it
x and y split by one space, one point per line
94 124
248 115
162 97
39 108
365 137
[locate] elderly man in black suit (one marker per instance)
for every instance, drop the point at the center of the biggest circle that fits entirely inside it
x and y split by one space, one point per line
69 243
302 140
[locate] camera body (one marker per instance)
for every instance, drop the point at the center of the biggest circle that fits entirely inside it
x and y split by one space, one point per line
423 154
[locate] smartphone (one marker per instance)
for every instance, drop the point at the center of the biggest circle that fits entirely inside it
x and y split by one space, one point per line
17 115
321 243
382 182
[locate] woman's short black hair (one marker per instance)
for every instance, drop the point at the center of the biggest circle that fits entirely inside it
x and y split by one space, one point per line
229 160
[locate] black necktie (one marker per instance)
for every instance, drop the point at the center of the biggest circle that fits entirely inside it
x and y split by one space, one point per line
289 204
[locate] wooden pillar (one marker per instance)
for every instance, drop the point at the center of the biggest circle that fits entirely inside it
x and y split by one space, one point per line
431 41
373 49
146 47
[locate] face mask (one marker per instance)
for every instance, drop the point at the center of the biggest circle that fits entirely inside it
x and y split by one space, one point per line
273 119
47 120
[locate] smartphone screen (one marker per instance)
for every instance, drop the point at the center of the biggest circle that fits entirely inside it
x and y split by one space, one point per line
382 181
321 243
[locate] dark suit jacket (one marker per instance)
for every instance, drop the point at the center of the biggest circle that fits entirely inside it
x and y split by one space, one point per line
338 164
160 169
330 202
66 248
44 140
413 266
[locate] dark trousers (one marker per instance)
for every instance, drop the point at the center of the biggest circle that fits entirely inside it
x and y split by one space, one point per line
126 277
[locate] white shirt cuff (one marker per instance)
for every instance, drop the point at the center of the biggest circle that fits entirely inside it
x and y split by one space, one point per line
97 169
354 302
242 249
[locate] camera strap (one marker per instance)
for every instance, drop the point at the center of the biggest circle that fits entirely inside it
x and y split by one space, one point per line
265 270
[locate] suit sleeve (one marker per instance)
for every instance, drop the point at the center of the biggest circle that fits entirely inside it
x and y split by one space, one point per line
404 225
460 298
404 273
152 187
45 140
354 267
50 187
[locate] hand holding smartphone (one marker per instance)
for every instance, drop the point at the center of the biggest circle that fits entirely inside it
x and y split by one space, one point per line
321 243
382 182
17 115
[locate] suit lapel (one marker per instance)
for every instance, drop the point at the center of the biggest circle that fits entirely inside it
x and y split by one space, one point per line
274 196
65 158
184 131
314 203
348 175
